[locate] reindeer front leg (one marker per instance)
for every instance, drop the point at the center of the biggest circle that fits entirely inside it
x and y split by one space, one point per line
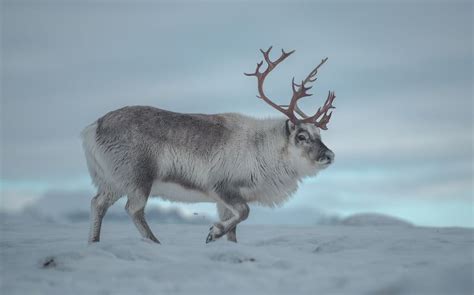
233 202
226 214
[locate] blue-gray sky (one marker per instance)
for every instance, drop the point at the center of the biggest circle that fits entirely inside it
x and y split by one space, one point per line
402 72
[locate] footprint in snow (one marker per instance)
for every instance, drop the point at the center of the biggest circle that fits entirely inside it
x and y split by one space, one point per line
232 258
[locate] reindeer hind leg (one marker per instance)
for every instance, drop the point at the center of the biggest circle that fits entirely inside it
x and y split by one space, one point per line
135 207
99 206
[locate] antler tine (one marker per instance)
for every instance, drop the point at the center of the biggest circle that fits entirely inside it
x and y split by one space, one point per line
256 73
314 72
324 121
324 112
266 56
283 56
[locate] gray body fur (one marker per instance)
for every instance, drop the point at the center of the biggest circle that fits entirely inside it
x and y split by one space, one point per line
229 159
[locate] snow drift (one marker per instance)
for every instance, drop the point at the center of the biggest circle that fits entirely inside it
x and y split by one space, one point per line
53 258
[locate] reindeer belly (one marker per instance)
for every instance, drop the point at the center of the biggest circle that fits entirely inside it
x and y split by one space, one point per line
178 193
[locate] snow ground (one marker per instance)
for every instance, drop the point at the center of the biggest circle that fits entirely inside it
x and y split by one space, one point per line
332 259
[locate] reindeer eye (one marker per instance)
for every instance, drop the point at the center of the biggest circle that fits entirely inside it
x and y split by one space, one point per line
301 137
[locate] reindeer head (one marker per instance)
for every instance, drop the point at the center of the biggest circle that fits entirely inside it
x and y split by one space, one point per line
303 131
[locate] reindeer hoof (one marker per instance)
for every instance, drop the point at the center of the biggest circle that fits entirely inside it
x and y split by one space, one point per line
216 231
209 238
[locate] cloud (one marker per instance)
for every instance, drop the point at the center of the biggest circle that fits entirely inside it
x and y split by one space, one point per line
15 201
74 206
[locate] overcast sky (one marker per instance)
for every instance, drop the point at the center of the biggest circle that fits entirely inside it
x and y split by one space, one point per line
402 73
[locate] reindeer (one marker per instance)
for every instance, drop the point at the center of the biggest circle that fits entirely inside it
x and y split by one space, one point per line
228 159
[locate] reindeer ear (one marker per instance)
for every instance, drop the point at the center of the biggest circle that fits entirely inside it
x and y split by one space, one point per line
290 127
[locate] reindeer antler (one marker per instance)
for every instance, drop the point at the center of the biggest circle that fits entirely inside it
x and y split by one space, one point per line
299 91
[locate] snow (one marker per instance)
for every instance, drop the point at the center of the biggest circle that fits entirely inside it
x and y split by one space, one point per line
374 219
54 258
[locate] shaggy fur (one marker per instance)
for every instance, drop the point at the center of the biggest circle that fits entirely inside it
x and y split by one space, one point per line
229 159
